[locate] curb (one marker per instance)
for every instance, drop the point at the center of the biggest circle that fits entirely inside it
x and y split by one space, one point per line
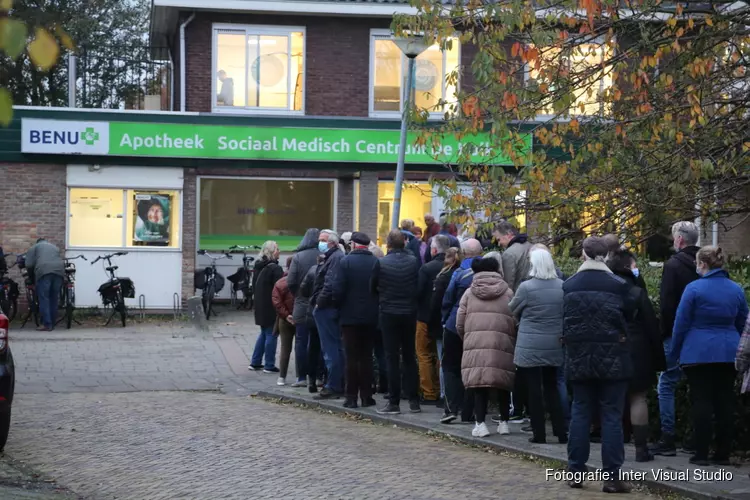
681 488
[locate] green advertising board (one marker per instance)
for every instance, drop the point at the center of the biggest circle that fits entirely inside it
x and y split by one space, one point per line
165 140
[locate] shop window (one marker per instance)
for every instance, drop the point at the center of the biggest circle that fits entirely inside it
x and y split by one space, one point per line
116 218
251 211
388 68
581 59
416 201
258 68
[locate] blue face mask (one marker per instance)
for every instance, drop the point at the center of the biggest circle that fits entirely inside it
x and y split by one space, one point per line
636 272
322 246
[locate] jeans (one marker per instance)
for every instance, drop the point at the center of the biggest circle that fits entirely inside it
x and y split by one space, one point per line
333 349
399 341
439 346
609 397
48 292
302 333
265 346
668 381
429 379
542 385
562 389
712 397
358 341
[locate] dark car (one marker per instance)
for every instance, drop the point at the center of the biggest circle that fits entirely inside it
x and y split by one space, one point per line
7 380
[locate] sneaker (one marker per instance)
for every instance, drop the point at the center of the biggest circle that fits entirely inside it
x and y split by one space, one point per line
414 407
615 486
326 393
448 417
527 428
480 430
350 403
271 370
312 389
281 381
368 402
255 368
503 429
665 447
389 409
518 419
497 419
300 383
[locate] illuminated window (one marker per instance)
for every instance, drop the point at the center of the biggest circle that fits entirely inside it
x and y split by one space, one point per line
259 68
116 218
416 201
250 211
388 67
583 59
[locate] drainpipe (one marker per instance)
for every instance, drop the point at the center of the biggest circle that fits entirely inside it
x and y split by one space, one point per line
171 80
182 60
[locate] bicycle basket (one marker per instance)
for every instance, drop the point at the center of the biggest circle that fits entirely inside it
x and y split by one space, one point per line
240 280
199 280
219 282
128 288
108 291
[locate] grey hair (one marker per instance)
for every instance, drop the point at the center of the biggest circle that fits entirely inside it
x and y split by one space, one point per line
441 243
268 249
542 265
333 236
687 230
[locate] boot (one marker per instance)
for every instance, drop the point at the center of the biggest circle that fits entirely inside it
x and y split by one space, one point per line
640 436
665 447
615 486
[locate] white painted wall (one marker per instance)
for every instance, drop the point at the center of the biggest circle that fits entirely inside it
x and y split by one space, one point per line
125 177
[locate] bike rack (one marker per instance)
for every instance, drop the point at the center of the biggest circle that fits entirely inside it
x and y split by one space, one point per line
142 305
176 305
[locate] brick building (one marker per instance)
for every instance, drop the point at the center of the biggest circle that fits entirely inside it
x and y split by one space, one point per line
284 115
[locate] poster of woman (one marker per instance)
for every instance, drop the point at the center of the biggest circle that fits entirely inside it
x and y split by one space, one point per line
152 219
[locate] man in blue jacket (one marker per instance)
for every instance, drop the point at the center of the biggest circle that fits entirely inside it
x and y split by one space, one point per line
358 317
452 344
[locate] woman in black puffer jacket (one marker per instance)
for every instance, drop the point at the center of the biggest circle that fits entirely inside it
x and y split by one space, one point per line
266 273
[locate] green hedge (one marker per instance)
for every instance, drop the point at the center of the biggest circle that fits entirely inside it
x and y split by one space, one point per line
739 271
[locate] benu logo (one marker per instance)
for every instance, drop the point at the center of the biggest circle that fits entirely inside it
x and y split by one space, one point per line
90 136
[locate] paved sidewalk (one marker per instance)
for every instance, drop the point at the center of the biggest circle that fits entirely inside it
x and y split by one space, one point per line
738 488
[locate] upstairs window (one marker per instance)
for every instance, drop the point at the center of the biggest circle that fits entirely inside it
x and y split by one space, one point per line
258 68
388 66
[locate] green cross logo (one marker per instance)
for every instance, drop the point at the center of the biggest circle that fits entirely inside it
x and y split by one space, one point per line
90 136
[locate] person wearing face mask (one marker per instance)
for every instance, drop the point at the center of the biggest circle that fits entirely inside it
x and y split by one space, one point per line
326 314
707 328
429 379
646 351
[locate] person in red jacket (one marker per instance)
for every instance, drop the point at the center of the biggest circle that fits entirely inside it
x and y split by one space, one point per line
283 302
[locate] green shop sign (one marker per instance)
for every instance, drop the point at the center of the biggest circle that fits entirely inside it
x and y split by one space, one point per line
164 140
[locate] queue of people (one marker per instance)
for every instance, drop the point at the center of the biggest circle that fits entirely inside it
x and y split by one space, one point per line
434 324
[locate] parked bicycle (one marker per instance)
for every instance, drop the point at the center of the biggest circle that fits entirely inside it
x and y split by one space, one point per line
68 291
9 290
32 299
115 290
242 280
210 281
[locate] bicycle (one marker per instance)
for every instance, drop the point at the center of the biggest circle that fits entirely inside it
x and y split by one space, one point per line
115 290
9 290
32 299
212 282
68 292
242 280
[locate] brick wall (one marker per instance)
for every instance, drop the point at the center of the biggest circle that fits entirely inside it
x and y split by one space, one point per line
189 246
368 203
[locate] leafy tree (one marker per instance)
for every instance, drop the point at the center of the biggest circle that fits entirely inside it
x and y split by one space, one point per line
104 30
640 108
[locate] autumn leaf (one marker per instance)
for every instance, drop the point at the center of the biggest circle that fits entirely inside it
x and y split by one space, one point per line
43 50
65 39
12 37
6 107
709 21
515 49
679 137
575 126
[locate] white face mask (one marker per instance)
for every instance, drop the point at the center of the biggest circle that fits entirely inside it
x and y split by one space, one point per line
698 270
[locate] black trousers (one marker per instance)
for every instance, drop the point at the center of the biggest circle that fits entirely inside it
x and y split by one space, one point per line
358 343
712 397
482 398
541 382
313 354
519 395
399 341
453 349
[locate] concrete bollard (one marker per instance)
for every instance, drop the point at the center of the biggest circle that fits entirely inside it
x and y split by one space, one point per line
196 313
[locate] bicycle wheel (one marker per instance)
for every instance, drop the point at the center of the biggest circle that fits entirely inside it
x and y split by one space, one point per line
33 301
13 309
70 300
122 308
209 306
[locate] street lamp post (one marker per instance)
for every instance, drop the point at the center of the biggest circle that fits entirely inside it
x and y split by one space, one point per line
411 46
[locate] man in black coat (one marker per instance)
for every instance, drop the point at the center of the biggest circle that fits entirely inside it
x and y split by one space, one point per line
429 379
596 308
678 273
394 280
326 314
358 317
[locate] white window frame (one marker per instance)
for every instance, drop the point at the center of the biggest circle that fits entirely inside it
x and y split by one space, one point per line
571 115
434 115
257 29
